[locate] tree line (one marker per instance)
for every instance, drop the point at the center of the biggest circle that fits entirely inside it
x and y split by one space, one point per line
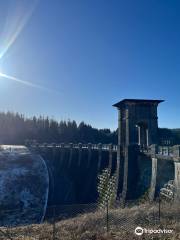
15 128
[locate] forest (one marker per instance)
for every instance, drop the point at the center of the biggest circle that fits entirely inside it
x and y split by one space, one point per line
15 128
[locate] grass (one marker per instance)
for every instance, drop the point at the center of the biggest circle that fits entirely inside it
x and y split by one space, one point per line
92 226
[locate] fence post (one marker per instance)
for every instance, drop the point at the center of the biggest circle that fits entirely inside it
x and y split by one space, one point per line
107 216
54 224
159 210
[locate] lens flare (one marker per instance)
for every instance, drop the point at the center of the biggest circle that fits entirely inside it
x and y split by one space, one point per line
19 12
17 17
27 83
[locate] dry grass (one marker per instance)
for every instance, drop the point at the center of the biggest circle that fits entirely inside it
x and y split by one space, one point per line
92 226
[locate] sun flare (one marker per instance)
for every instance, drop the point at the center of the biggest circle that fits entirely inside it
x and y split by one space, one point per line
17 18
27 83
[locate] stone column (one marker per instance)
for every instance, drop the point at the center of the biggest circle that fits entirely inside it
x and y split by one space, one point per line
176 151
139 135
127 127
118 151
70 154
44 148
110 156
153 179
125 177
126 159
54 151
147 137
62 153
89 154
177 181
119 127
99 157
80 153
154 150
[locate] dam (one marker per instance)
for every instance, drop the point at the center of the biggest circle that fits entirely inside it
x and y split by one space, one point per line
68 173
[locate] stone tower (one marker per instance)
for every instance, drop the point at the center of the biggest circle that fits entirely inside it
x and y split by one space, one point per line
137 129
137 122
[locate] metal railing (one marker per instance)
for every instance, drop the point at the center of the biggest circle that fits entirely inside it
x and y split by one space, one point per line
164 152
104 147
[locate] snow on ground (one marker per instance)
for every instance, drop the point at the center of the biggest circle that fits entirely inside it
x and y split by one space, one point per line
24 186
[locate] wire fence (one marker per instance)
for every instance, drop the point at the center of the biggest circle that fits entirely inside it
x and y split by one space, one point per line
89 222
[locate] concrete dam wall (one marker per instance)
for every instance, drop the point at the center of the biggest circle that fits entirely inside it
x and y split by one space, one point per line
44 175
52 174
153 172
73 170
152 175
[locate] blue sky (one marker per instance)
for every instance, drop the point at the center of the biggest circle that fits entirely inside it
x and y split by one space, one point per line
88 55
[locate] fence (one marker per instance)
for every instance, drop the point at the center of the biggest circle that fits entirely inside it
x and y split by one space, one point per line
88 222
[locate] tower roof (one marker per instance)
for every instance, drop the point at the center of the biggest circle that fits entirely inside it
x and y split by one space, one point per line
137 101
